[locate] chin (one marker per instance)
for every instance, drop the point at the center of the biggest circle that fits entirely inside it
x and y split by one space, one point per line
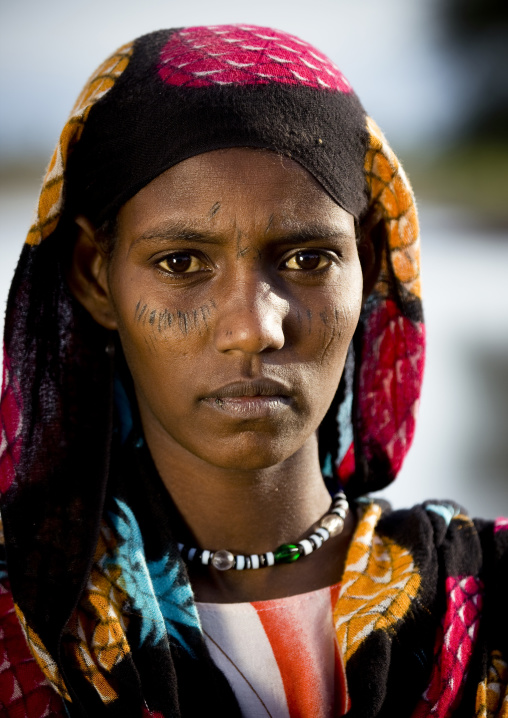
253 452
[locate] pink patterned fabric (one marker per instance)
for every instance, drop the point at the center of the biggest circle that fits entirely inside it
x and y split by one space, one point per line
24 690
245 55
390 378
11 424
454 648
501 524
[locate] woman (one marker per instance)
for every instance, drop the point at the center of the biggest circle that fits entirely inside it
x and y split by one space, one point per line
215 321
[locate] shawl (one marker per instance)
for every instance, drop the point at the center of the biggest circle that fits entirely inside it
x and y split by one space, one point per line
97 613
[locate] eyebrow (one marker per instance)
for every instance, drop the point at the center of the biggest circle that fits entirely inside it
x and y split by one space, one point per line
291 232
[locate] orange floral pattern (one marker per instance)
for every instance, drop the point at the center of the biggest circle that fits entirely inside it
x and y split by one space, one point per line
379 584
49 207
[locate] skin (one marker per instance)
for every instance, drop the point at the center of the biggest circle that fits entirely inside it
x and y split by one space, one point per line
235 285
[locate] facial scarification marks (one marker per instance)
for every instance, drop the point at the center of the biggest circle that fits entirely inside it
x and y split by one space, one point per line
214 209
328 340
205 313
240 251
183 321
330 330
162 320
309 321
165 320
141 313
270 222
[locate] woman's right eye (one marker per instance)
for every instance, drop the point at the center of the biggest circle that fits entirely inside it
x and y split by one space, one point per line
181 263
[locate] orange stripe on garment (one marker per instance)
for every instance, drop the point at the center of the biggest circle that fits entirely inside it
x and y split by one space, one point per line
342 701
299 655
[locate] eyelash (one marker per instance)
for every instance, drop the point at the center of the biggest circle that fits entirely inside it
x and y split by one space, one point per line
193 257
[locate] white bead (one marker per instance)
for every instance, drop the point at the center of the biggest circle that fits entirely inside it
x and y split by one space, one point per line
270 560
323 532
341 505
192 553
254 560
205 557
339 495
332 523
340 512
318 540
306 546
223 560
240 563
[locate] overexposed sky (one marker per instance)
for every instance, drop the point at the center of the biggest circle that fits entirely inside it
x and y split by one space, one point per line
386 48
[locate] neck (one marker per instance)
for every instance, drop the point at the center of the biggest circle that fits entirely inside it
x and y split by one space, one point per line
250 511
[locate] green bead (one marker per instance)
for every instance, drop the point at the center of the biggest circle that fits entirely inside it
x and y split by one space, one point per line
286 553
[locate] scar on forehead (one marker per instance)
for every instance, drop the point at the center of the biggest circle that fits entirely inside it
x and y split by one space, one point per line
214 209
270 221
240 251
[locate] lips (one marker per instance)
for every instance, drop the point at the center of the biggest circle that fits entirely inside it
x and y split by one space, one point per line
250 399
257 387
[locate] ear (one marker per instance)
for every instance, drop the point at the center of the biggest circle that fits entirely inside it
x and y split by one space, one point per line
370 249
88 276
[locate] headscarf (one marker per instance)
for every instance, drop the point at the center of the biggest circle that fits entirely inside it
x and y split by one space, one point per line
163 98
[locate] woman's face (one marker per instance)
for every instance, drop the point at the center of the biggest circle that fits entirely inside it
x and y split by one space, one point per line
236 287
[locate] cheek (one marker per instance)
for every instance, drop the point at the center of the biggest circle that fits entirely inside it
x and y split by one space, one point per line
174 324
331 323
159 341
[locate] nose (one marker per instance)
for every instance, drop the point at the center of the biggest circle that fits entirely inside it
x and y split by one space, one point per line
250 318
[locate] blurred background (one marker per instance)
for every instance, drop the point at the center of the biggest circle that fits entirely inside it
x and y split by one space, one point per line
433 73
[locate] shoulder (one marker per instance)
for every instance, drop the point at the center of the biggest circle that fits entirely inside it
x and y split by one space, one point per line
445 546
24 690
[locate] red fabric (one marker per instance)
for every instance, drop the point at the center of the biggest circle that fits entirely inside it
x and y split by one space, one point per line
24 690
245 55
390 380
454 648
11 417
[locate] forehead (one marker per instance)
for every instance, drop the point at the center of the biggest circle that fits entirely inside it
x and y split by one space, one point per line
239 186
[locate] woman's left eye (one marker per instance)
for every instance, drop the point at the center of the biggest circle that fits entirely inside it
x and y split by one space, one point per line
181 263
308 260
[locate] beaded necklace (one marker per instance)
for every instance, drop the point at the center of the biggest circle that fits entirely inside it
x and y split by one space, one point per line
330 525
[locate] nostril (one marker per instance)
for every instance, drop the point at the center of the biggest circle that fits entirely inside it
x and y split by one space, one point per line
255 328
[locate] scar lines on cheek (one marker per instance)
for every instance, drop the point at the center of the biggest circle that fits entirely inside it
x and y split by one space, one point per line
192 320
183 321
309 317
139 314
328 343
214 209
165 320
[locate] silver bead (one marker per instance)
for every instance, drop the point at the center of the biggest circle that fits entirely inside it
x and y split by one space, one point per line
223 560
332 523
